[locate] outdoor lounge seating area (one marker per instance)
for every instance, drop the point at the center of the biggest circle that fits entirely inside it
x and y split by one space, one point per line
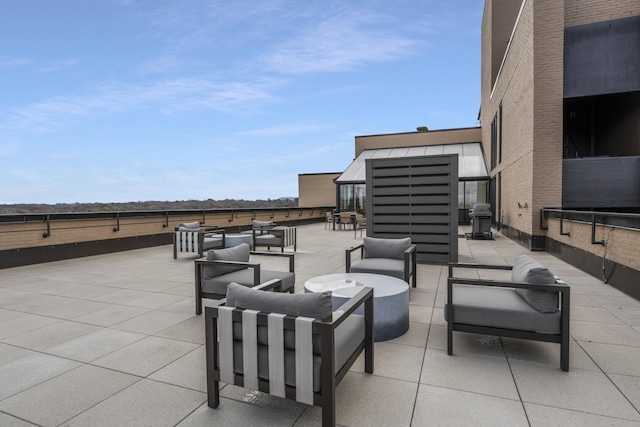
126 321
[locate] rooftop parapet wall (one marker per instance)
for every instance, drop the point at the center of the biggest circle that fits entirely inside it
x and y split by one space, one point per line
32 238
607 252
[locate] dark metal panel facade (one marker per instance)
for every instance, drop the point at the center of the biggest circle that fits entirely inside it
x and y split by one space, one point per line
602 58
601 182
415 197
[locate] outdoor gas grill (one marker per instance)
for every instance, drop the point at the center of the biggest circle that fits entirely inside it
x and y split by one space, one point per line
481 221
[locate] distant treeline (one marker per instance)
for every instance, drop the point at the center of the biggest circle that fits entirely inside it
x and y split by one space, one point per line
25 208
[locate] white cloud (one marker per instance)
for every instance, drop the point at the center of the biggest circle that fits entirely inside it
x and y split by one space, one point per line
339 44
14 62
287 129
59 65
168 96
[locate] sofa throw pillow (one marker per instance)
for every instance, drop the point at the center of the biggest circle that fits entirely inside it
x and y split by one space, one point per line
238 253
314 305
526 269
385 248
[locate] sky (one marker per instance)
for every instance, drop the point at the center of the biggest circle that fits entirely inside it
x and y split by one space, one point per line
136 100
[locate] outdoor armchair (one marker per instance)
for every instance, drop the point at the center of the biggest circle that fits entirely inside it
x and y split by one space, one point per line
277 237
390 257
290 346
533 305
220 267
191 237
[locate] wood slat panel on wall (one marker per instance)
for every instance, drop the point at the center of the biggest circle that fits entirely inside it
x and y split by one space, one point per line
415 197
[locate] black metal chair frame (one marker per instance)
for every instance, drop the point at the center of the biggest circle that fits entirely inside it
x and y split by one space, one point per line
203 262
564 303
326 397
287 237
410 262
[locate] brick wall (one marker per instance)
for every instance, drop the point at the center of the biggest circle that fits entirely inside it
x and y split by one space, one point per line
317 189
622 243
19 235
548 35
580 12
514 90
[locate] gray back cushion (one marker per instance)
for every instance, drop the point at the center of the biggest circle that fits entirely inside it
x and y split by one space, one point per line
189 229
314 305
192 225
385 248
239 253
526 269
257 225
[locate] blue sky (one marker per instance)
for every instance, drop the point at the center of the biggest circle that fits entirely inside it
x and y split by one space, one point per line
133 100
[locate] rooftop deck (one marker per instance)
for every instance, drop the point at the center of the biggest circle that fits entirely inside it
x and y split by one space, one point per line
113 340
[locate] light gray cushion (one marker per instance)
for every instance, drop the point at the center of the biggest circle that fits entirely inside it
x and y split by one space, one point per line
500 308
386 266
268 239
212 241
385 248
191 225
526 269
187 229
258 225
238 253
218 284
315 305
348 336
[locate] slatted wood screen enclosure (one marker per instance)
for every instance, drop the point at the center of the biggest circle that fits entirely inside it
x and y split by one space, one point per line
415 197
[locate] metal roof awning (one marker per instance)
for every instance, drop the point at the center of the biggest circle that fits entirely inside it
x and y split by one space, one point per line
471 162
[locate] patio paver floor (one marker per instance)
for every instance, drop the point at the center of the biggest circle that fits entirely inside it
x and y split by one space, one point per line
150 371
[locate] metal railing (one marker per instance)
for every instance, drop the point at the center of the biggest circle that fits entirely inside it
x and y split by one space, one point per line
609 219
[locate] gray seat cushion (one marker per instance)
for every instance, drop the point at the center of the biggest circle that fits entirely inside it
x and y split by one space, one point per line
500 308
385 248
385 266
348 336
526 269
218 284
212 241
268 240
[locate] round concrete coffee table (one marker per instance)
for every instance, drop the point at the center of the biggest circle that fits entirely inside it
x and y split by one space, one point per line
390 299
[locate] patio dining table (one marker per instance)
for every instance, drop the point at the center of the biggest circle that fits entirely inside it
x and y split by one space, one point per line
336 218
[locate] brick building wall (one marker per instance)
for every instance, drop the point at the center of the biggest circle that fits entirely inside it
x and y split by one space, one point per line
580 12
621 243
317 189
548 82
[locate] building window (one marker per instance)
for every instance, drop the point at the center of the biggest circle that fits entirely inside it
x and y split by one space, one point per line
494 142
500 133
352 197
496 138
